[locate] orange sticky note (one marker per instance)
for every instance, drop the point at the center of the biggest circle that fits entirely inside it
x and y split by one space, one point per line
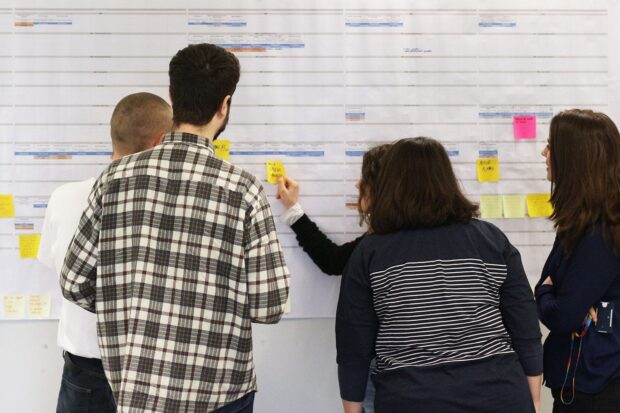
222 148
7 206
538 205
29 245
275 169
524 126
39 305
13 306
488 169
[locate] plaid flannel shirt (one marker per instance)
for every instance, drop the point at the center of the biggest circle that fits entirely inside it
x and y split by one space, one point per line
177 252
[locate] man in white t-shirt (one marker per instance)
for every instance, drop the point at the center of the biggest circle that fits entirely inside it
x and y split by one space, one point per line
138 123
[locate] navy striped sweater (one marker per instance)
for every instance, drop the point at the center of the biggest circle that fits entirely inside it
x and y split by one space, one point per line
434 298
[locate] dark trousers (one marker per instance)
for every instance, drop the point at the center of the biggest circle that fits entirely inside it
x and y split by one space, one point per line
84 387
607 401
242 405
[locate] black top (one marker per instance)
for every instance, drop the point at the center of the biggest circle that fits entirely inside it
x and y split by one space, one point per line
449 305
328 256
589 275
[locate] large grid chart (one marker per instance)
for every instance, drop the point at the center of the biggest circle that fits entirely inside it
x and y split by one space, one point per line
321 83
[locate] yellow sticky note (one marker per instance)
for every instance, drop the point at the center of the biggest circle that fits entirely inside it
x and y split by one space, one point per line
29 245
490 206
488 169
13 306
287 306
514 206
222 148
7 206
275 169
39 305
538 205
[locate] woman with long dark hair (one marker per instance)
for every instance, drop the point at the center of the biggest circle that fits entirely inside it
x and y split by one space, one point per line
438 296
330 257
579 287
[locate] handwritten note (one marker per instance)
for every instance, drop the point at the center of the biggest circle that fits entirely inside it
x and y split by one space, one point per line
39 305
13 306
222 148
488 169
514 206
490 206
29 245
524 126
538 205
7 206
275 169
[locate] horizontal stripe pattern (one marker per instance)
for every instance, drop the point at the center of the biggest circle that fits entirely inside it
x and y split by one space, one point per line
438 312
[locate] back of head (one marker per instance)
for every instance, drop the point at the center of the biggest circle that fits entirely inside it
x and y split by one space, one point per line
138 121
417 188
371 166
584 149
201 76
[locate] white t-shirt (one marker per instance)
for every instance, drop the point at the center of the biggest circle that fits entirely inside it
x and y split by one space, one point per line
77 330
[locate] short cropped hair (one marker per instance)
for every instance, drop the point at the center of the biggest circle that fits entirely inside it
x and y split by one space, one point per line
136 120
417 188
201 76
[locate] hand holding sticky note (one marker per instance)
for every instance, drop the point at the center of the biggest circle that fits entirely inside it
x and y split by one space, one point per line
488 169
524 126
222 148
275 169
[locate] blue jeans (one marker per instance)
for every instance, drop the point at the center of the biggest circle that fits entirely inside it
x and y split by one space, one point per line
369 398
84 387
242 405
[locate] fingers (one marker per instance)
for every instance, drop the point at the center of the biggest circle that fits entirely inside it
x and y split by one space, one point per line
593 314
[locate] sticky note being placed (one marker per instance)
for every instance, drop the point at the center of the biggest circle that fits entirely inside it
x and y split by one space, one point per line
488 169
524 126
39 305
222 148
7 206
514 206
275 169
287 306
13 306
29 245
490 206
538 205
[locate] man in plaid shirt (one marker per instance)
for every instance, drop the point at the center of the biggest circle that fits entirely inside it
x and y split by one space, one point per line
177 253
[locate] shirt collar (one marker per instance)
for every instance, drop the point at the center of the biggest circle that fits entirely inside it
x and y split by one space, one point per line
185 137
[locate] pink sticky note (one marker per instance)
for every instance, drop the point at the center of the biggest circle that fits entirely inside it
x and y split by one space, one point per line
525 126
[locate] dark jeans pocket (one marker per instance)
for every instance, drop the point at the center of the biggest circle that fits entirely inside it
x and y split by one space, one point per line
73 398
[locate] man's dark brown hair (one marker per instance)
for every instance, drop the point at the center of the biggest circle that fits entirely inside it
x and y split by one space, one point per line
201 76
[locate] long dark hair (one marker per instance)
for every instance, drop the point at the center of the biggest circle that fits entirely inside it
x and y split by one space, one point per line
371 166
417 188
584 148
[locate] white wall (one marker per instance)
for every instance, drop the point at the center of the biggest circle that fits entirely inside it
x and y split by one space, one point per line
295 362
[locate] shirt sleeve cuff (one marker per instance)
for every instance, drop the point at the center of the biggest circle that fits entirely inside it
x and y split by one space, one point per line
353 381
291 215
543 289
